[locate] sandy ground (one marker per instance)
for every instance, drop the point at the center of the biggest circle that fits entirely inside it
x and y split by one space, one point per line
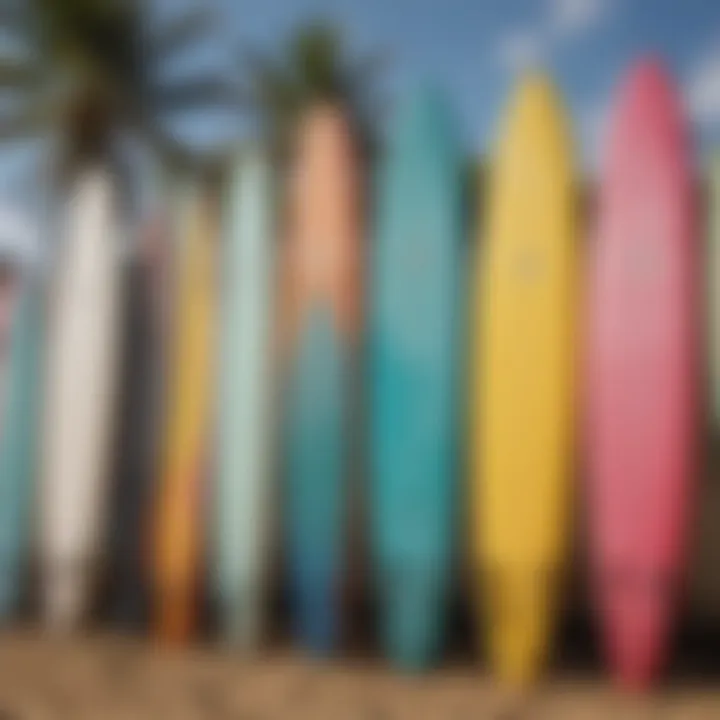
110 678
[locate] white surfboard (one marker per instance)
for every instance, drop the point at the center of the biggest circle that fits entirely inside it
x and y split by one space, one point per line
243 478
80 387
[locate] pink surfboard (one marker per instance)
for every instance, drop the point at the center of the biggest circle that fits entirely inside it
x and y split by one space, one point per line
641 359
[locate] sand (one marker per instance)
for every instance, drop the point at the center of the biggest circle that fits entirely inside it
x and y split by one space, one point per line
112 678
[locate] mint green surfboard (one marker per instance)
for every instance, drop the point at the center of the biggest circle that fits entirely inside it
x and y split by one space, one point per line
243 471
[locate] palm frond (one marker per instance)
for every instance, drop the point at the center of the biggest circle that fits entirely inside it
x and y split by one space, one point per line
98 52
316 54
314 66
199 93
180 33
29 122
18 74
14 16
172 152
272 90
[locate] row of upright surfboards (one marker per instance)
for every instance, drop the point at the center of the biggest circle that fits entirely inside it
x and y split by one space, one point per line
555 345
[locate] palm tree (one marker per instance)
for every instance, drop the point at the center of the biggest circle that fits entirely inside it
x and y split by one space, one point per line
94 66
314 67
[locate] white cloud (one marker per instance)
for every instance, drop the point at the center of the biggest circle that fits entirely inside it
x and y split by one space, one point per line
561 21
568 18
521 49
703 89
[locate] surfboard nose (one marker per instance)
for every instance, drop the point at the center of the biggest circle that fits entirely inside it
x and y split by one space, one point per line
534 130
535 96
424 113
648 105
649 75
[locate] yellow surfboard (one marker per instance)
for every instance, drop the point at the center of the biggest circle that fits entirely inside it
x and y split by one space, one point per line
178 530
522 400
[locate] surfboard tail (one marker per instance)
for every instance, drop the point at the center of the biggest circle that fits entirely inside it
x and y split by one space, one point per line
130 607
316 613
317 481
66 597
10 583
175 618
636 617
413 619
242 619
18 447
520 604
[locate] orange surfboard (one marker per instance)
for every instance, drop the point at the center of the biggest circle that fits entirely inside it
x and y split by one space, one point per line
178 532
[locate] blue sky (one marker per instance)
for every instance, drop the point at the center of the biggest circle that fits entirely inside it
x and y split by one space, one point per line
475 48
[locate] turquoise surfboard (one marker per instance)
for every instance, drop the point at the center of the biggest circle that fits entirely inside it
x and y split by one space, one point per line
19 426
317 438
243 480
414 368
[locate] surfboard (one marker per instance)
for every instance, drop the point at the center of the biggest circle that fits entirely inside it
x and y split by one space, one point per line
523 398
80 385
20 340
414 371
178 548
713 288
320 335
243 491
136 446
641 357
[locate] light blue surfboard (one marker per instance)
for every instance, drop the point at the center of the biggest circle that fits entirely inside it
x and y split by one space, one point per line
416 287
243 492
